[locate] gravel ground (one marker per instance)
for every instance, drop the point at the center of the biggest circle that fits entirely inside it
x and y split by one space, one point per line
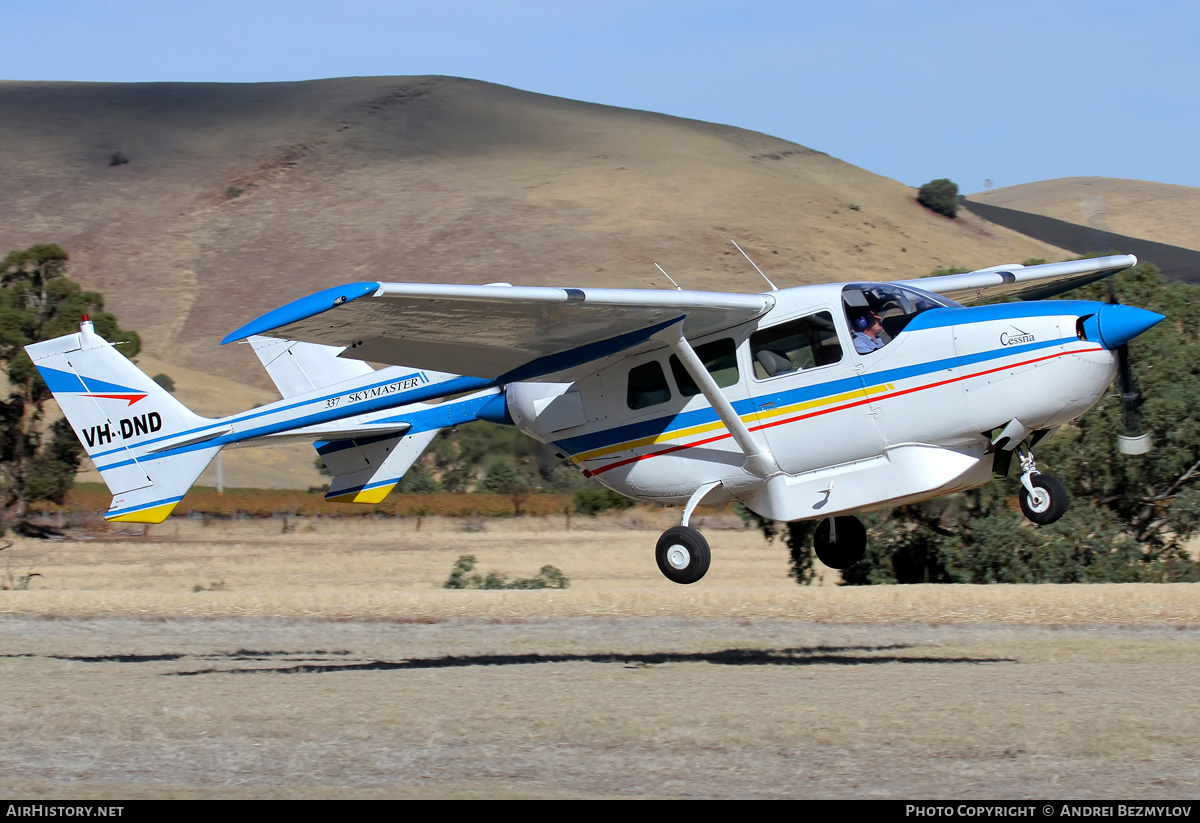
595 707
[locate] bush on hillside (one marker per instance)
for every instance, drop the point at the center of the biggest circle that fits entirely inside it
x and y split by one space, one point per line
940 196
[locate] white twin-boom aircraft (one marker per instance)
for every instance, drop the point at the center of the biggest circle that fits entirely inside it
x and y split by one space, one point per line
816 402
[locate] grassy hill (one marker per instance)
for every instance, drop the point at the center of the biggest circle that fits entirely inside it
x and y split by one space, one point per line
1135 208
239 197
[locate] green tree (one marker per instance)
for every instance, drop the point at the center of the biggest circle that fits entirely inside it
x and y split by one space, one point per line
504 476
418 480
460 452
38 461
940 196
594 498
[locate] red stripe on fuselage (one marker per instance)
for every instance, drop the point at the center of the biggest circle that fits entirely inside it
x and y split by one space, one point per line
844 406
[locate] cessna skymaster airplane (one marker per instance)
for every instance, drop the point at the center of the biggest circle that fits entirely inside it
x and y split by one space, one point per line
816 402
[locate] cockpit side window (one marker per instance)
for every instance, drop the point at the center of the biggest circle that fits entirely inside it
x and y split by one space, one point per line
804 343
877 312
647 386
719 358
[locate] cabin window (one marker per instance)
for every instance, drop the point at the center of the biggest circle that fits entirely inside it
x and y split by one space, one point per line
796 345
647 386
719 358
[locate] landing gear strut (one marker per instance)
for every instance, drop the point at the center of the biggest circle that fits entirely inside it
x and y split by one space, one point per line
840 542
1043 498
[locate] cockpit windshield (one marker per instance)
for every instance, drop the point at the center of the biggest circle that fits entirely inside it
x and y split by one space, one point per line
877 312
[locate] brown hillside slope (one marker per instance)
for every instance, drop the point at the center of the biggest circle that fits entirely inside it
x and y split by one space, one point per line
237 198
1134 208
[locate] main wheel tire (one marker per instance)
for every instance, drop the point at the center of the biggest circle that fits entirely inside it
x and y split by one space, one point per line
682 554
851 545
1050 502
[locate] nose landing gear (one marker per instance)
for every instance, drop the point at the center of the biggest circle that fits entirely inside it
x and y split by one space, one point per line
1043 498
840 542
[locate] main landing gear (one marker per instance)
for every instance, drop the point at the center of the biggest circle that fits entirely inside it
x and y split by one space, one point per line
1043 498
682 554
840 542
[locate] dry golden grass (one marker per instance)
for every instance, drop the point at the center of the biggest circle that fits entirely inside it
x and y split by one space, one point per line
392 569
1135 208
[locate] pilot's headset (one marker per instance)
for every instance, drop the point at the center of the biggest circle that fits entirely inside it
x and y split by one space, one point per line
862 319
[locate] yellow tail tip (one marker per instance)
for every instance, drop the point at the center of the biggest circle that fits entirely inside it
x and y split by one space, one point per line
154 514
368 496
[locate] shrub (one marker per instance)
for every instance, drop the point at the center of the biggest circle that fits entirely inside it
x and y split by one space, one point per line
940 196
594 498
548 577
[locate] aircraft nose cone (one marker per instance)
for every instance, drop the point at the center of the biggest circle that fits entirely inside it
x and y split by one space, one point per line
1119 324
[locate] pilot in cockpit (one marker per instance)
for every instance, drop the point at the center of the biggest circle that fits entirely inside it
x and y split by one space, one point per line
867 327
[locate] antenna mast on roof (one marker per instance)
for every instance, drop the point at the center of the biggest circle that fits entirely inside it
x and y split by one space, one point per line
673 283
756 268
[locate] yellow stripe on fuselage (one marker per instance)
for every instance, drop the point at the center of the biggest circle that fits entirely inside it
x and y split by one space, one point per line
754 417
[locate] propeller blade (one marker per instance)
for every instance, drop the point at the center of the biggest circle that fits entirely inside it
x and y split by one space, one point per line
1134 441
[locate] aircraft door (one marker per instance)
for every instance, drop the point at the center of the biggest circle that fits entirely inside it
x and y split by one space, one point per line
807 395
909 379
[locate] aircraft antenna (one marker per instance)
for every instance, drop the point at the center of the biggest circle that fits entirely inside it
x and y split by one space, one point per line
664 271
756 268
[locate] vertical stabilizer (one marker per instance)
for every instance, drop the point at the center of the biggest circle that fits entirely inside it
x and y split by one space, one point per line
122 418
297 367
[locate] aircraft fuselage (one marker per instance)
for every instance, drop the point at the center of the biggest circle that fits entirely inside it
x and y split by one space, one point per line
847 431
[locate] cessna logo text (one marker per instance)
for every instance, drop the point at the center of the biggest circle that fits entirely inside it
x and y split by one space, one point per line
129 426
1017 339
390 388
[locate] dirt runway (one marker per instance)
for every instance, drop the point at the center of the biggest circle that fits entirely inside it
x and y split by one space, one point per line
595 707
324 659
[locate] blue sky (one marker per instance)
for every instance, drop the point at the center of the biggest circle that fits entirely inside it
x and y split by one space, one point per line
1011 91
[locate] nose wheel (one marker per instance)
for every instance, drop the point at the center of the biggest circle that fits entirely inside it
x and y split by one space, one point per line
682 554
1043 498
840 542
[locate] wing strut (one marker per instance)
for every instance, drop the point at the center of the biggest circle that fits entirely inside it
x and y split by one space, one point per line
759 460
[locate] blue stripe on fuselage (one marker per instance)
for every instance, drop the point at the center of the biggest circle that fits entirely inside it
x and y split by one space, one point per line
662 425
441 417
427 392
939 318
266 411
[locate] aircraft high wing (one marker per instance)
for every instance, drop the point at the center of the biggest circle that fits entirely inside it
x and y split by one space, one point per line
511 333
504 333
1023 282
